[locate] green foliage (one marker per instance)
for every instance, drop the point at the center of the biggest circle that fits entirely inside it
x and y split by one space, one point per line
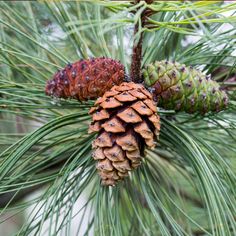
186 186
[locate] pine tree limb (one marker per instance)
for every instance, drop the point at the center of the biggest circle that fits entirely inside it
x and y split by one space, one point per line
135 71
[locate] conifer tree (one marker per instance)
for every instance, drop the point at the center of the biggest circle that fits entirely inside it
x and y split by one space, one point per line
129 103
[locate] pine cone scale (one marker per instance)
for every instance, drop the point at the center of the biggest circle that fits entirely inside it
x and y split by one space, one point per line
129 115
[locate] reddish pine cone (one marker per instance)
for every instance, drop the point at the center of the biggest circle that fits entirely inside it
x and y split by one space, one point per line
86 79
183 88
127 121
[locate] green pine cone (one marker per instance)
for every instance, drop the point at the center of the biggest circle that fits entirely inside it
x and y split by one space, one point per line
181 88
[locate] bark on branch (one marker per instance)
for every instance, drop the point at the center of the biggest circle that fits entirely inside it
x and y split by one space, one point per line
135 70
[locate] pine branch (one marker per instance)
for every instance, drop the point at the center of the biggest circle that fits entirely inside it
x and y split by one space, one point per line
10 198
135 71
13 197
197 202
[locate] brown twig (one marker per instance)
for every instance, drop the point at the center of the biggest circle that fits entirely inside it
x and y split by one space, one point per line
135 71
136 59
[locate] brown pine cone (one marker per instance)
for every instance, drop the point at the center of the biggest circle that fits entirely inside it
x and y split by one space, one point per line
127 121
86 79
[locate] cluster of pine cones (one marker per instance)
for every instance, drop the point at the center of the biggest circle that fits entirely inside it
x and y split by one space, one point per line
125 114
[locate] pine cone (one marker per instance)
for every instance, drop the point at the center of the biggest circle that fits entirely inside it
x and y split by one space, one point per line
126 120
86 79
181 88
